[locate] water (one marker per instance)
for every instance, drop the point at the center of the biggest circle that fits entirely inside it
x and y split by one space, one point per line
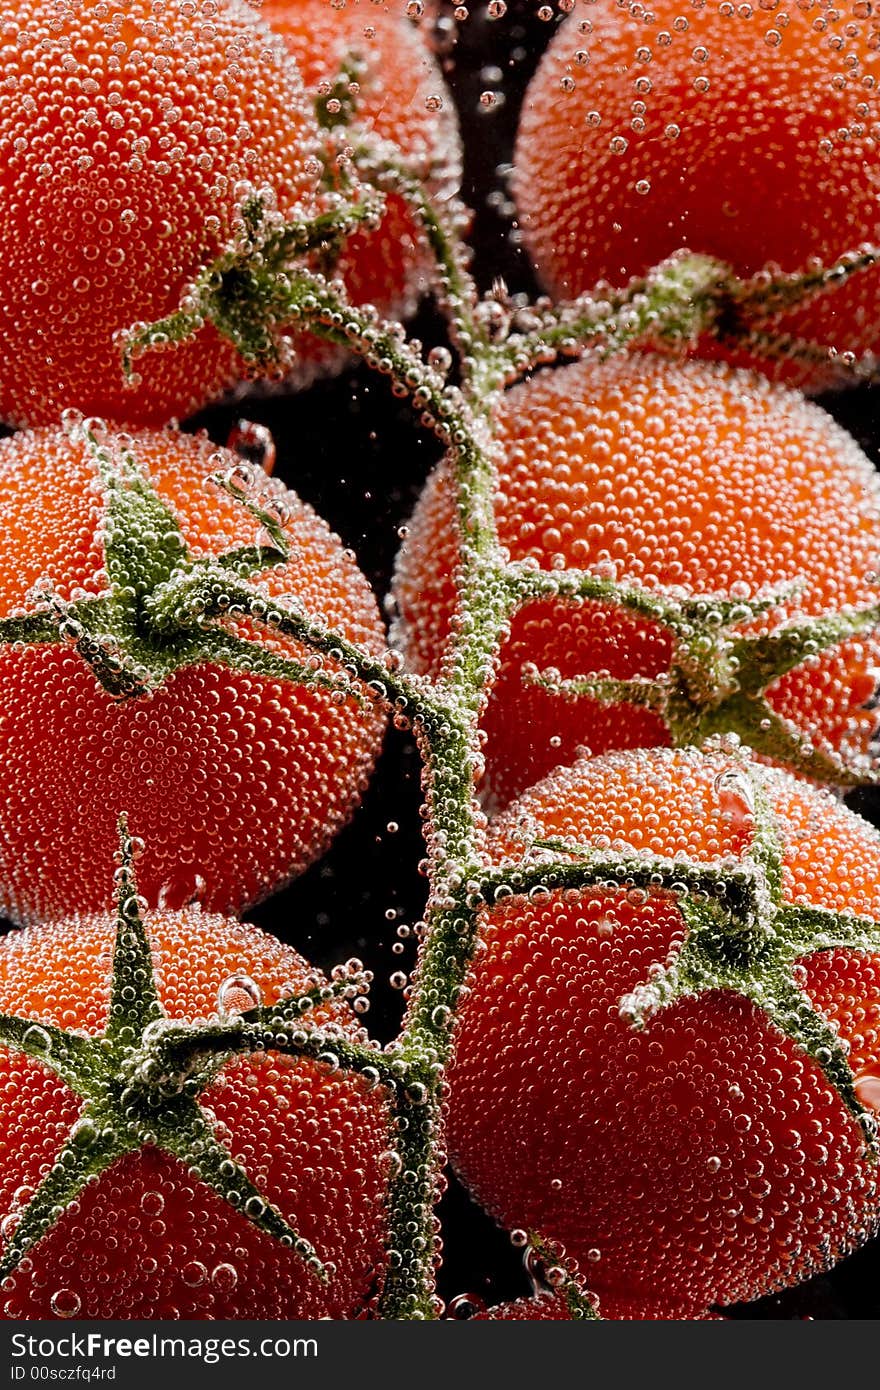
357 456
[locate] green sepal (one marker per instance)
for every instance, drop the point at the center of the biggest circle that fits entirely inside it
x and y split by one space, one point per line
63 1184
758 661
214 645
30 629
191 1139
808 929
134 999
69 1055
247 561
717 682
793 1013
581 1307
143 543
129 1101
338 106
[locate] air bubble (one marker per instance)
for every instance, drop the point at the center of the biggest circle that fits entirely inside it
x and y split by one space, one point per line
238 994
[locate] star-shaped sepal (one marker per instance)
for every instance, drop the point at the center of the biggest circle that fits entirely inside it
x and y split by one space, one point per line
742 936
128 1102
166 608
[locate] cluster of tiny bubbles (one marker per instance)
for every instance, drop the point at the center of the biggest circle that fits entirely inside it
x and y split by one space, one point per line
156 1234
132 191
705 1158
674 479
697 113
235 781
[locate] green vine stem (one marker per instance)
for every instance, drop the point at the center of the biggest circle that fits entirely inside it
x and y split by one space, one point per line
685 296
149 623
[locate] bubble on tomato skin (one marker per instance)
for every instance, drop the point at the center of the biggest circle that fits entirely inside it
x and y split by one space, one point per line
736 794
65 1303
126 1244
224 1277
237 995
682 477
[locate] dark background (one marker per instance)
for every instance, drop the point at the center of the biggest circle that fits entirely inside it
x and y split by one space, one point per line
352 451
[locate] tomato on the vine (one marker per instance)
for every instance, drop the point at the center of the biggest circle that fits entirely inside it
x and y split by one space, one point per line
235 779
128 141
149 1236
673 1074
737 131
693 479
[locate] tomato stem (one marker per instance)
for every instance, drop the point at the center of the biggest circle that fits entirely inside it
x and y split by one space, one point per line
737 938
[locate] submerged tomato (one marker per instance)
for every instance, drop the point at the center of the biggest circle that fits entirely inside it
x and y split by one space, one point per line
236 781
128 141
737 131
148 1237
631 1077
679 479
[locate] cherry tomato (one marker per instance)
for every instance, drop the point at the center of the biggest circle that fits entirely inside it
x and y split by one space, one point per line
735 131
236 780
677 1084
128 142
690 478
147 1236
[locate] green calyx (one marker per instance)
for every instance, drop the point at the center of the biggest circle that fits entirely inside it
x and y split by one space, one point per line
742 937
718 679
164 608
128 1102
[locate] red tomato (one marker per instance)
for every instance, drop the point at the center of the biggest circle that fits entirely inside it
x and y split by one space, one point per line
236 781
660 476
705 1158
401 98
148 1238
744 132
127 143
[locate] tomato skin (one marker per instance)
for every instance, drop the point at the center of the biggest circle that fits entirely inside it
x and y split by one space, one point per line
705 1159
663 475
120 178
402 98
720 130
236 782
148 1239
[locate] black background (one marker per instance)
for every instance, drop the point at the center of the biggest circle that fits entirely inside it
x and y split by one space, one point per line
352 451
